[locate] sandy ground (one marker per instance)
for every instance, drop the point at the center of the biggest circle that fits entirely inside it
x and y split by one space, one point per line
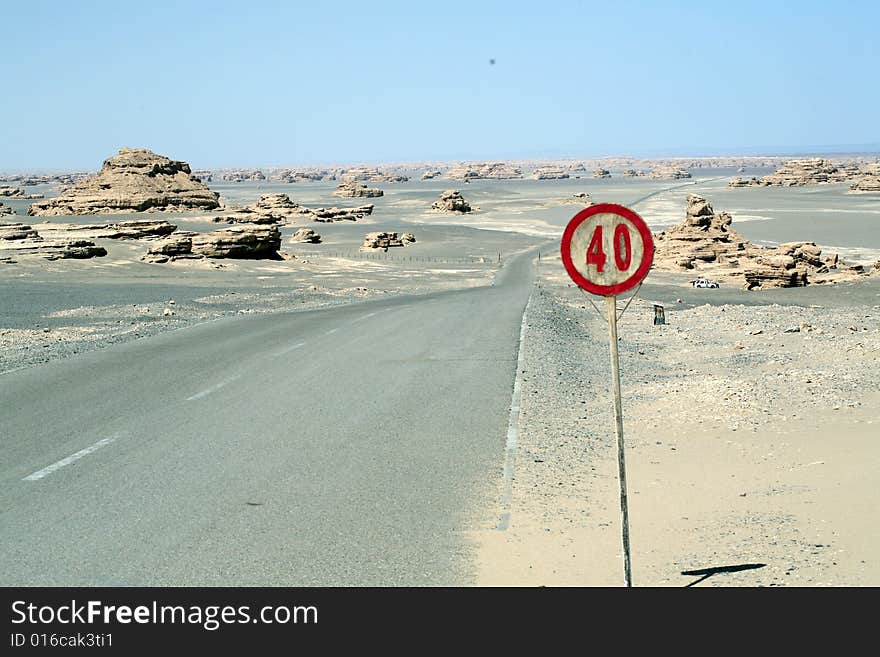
752 438
747 444
51 310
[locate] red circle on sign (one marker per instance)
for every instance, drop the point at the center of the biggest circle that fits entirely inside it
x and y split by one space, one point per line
631 217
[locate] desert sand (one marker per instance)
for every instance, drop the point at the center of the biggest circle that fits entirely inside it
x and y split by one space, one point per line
752 438
751 417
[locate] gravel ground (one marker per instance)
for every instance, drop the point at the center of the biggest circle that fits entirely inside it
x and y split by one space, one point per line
726 407
51 310
63 333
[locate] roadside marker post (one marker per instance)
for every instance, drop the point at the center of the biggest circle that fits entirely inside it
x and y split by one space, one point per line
608 249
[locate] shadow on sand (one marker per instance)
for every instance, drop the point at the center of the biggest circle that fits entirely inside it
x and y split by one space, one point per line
705 573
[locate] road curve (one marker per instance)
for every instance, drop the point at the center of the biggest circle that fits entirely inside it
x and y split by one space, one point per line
346 446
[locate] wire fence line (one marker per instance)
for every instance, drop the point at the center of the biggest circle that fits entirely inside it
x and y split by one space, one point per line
400 257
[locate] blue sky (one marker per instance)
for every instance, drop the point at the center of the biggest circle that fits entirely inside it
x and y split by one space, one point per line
278 83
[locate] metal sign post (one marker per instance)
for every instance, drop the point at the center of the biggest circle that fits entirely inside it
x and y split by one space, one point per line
611 307
593 234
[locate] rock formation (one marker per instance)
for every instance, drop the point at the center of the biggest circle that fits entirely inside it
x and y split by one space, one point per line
243 175
279 208
451 201
353 189
23 240
371 174
134 180
549 173
278 205
17 232
297 176
306 235
744 182
705 242
16 192
816 171
601 173
429 175
386 240
5 209
270 209
134 229
491 170
670 173
810 171
328 215
245 241
868 181
178 245
702 237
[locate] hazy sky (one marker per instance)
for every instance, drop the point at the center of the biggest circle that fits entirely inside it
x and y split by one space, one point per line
251 83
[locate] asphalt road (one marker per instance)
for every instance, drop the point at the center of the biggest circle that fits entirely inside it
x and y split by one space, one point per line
348 446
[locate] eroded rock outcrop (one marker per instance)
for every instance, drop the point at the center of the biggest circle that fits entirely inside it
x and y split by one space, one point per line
705 242
134 180
550 173
384 240
670 173
601 173
298 176
810 171
23 240
481 170
703 236
10 231
813 171
353 189
270 209
279 208
16 192
133 229
306 235
744 182
371 174
430 175
243 175
55 249
451 201
244 241
328 215
5 210
868 181
178 245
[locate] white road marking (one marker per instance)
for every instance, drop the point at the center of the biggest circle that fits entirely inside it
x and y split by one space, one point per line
73 458
287 350
513 429
363 317
331 331
214 388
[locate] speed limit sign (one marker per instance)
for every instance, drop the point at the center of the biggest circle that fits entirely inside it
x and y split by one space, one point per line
607 249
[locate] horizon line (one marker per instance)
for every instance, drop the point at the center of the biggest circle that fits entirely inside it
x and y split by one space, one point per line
835 150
